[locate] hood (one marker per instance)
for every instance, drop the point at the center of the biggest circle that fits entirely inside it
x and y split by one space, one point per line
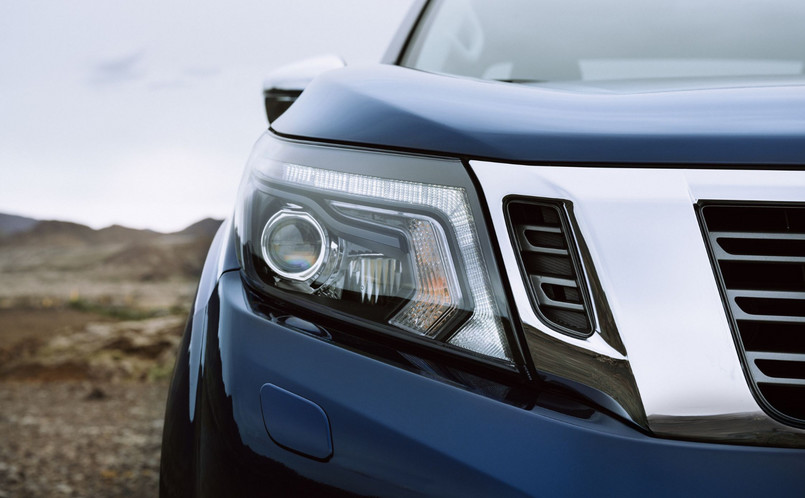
758 122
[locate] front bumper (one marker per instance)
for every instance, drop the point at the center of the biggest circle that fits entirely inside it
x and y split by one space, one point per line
398 431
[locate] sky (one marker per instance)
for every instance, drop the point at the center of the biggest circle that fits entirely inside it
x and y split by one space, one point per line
144 113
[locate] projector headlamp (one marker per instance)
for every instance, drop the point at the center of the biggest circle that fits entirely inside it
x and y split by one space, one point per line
401 254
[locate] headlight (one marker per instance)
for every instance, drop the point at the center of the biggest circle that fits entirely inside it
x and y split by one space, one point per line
350 234
294 245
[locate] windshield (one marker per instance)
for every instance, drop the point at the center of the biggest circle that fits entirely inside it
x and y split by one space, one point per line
528 40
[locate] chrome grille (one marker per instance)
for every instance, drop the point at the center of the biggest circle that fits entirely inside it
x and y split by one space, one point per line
759 253
549 264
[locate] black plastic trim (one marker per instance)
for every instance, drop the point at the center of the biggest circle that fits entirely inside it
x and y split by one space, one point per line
743 355
572 253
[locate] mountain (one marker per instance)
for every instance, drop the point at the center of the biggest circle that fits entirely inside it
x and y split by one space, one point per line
118 233
51 233
11 223
20 231
112 253
204 228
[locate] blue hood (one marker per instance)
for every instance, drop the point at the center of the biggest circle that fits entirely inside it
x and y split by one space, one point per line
715 122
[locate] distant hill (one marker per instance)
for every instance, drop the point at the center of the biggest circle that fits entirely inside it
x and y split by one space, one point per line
21 231
52 233
204 228
11 223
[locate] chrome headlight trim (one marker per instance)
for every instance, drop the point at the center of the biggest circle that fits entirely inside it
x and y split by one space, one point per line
271 226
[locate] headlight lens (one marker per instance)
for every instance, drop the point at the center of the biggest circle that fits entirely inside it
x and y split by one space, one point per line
404 255
294 244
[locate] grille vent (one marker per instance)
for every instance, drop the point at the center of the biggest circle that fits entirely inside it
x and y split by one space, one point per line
759 253
549 264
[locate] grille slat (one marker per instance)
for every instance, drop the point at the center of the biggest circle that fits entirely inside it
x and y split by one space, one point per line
539 284
759 253
735 293
761 236
743 315
542 239
725 256
543 243
559 281
777 368
759 355
770 247
763 379
541 228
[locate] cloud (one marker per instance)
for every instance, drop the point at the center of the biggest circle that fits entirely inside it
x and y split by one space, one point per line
201 72
168 84
118 70
187 78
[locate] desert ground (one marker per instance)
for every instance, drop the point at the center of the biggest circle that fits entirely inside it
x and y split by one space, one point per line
89 325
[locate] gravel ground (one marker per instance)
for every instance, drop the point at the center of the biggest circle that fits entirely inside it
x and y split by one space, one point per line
71 438
89 325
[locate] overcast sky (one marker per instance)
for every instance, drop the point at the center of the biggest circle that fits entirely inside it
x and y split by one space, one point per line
143 113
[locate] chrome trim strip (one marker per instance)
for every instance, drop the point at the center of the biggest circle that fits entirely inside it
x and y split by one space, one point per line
762 378
733 293
663 347
762 236
743 315
723 255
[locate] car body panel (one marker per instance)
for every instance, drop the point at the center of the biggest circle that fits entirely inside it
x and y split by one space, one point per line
727 124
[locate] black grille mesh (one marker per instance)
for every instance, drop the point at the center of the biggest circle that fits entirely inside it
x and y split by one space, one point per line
544 246
759 253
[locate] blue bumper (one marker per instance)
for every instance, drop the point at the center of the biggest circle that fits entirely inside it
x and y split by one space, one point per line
395 431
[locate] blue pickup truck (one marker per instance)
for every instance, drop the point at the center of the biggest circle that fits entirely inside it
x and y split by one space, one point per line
543 249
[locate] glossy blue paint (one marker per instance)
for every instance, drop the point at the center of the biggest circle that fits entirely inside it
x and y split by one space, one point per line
221 258
177 467
295 422
723 122
398 432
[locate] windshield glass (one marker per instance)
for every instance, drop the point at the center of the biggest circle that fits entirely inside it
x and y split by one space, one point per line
528 40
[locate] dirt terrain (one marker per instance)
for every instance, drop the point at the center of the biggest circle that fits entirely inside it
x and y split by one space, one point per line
89 325
69 438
